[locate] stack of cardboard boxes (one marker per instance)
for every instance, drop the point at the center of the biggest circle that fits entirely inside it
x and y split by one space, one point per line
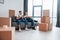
45 24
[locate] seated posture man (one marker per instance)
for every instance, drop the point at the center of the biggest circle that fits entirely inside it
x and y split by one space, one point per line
20 19
29 19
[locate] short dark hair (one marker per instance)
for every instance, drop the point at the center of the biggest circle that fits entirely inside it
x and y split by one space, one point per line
20 11
26 11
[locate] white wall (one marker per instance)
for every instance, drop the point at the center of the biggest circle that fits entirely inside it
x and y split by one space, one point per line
10 4
55 9
55 13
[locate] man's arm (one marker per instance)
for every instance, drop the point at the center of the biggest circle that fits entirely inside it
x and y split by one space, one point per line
27 16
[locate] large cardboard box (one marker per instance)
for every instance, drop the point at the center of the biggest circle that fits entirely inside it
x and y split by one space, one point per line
7 33
45 12
43 27
5 21
45 19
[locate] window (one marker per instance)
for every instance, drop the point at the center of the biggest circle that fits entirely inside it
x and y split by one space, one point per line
37 11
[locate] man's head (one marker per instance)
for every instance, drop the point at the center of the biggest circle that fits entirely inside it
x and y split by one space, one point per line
20 12
26 13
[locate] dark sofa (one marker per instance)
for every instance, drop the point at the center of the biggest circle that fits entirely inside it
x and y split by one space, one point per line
14 23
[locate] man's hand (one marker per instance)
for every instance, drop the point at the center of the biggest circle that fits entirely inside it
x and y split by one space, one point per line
17 18
25 16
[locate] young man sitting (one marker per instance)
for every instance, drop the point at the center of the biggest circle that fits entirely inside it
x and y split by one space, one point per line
29 19
21 19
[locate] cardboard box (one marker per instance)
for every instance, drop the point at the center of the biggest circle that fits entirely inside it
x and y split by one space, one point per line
45 12
45 22
43 27
45 19
7 33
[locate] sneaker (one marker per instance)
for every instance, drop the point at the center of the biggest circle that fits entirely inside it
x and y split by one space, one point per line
33 28
26 29
20 30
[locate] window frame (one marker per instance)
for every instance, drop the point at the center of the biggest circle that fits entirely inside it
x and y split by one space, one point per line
33 11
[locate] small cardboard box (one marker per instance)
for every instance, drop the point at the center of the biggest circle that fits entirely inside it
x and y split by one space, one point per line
45 19
45 12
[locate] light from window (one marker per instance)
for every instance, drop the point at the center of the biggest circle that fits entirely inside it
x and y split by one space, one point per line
37 2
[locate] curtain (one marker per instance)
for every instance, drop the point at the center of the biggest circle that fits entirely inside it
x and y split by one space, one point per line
58 14
25 6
